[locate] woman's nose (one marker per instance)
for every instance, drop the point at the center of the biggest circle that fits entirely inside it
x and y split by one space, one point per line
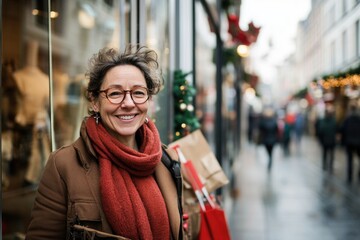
127 100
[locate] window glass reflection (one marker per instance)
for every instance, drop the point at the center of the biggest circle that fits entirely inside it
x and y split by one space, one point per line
79 29
157 25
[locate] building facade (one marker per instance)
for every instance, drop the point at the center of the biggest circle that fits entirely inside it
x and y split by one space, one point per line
326 61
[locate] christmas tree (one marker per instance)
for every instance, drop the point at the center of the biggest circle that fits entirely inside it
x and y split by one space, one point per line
184 115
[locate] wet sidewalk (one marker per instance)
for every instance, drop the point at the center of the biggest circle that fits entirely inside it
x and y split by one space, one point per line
296 200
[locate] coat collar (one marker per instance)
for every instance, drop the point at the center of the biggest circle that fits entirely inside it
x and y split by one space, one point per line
84 149
88 159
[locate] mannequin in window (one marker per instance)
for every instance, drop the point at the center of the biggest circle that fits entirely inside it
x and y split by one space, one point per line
32 112
33 87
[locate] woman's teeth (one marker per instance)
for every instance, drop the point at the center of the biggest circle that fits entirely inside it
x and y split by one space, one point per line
127 117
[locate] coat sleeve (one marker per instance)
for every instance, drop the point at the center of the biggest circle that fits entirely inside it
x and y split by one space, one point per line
48 217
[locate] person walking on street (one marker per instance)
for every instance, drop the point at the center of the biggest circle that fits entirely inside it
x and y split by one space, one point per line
350 133
327 130
268 128
299 127
289 121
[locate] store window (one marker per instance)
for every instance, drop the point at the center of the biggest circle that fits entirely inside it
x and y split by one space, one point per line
205 74
32 75
332 56
344 46
331 17
344 7
157 29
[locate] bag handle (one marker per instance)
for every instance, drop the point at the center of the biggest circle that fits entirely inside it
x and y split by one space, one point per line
174 168
198 186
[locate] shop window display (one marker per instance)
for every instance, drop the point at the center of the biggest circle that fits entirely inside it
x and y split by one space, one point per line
32 86
25 131
26 75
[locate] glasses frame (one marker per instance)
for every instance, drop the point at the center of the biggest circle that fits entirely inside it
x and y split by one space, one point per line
130 91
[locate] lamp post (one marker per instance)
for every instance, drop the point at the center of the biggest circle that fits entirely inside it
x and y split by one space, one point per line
243 51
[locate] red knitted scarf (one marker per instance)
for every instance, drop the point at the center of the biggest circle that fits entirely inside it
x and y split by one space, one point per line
131 199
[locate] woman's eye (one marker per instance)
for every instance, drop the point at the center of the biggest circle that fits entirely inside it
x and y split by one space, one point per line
139 93
115 94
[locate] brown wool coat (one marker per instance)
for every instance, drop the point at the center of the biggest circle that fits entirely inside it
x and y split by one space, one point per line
69 193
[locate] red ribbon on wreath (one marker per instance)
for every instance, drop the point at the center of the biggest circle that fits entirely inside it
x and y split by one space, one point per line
239 36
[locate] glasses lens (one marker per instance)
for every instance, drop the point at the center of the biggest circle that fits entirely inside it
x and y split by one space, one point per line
115 95
139 94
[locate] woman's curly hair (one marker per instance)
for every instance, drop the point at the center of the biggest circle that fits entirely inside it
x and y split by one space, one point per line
145 59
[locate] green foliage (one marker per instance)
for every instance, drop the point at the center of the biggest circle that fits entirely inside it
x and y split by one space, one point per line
185 120
351 71
230 55
301 93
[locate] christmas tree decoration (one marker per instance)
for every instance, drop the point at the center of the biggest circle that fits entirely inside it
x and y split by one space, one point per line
185 120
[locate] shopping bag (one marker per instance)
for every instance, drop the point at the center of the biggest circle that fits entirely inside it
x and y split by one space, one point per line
213 224
195 148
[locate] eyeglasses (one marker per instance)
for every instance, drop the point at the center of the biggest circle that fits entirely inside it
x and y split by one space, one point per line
116 95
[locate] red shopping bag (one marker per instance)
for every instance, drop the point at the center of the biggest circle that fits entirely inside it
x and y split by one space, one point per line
213 221
213 224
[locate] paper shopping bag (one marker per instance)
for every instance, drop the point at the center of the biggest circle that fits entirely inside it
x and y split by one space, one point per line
196 149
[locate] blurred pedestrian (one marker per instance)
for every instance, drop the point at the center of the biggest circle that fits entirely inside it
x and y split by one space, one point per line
286 137
299 126
252 122
289 122
268 128
350 133
327 130
316 127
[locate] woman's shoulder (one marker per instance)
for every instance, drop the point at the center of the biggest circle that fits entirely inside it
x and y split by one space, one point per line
64 157
70 164
60 155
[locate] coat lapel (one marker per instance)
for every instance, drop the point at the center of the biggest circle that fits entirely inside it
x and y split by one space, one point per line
92 177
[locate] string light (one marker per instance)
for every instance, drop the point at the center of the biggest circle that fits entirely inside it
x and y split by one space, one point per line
340 82
182 106
190 108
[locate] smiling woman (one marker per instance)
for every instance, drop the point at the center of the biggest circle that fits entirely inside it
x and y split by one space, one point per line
117 157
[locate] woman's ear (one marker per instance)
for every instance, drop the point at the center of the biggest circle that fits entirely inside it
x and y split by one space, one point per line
95 105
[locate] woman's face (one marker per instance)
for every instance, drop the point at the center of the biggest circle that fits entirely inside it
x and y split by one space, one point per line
124 119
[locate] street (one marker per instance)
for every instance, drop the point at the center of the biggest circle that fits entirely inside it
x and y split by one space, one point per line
296 200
